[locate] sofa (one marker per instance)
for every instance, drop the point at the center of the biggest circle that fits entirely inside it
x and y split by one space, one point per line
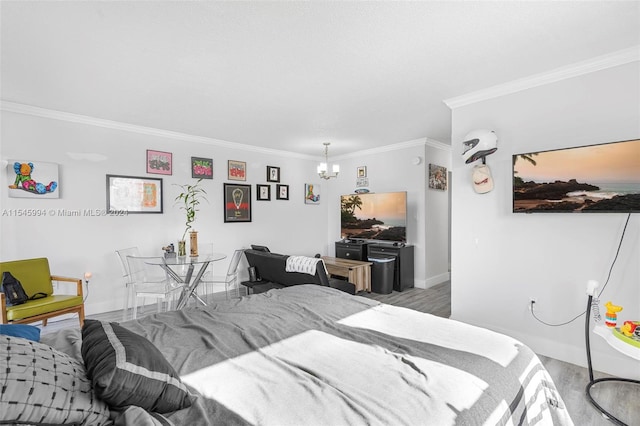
272 274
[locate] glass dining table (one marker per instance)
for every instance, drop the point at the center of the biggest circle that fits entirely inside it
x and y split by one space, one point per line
174 267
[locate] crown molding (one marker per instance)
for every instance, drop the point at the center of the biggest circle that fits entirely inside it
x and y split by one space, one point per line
109 124
614 59
117 125
386 148
438 145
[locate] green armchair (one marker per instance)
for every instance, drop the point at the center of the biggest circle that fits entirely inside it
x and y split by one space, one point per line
35 277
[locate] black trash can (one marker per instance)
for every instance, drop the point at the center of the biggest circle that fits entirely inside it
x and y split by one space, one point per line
382 274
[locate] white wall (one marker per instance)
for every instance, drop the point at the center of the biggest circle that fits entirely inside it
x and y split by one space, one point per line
78 244
393 169
500 259
75 245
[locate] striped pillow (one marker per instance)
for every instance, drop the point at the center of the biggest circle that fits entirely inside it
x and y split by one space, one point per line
127 369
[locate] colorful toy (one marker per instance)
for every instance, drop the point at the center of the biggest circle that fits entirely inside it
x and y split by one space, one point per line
25 182
629 328
611 317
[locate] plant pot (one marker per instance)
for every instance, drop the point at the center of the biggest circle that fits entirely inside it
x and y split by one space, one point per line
182 248
193 243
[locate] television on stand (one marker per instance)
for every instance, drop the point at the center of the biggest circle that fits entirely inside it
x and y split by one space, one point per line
380 217
602 178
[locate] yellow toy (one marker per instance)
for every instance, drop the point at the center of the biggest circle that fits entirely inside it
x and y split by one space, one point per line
629 328
611 317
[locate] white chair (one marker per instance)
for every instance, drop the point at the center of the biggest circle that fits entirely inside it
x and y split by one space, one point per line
148 279
126 275
230 280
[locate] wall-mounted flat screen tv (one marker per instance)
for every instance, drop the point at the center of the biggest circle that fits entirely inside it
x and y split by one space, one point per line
602 178
374 216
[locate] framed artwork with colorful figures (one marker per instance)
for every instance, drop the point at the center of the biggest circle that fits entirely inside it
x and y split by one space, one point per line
201 168
32 179
159 162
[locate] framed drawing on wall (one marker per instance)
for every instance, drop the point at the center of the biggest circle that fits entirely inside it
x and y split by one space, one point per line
437 177
237 170
273 174
237 202
201 168
159 162
134 194
263 192
311 193
282 192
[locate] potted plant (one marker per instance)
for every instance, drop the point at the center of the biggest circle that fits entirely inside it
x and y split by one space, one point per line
189 200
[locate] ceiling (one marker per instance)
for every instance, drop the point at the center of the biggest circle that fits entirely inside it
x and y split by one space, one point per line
292 75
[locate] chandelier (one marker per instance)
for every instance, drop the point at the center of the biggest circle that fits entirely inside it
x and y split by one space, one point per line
323 168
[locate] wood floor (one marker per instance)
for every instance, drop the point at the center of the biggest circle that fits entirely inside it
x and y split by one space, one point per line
621 399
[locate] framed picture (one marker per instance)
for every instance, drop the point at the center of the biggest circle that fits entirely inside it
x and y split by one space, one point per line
282 192
437 177
201 168
237 170
159 162
362 172
311 193
33 179
237 202
133 194
263 192
273 174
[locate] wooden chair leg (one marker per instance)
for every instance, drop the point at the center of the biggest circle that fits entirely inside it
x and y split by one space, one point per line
81 316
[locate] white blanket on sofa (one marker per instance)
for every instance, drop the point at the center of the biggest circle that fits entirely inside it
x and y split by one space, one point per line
303 264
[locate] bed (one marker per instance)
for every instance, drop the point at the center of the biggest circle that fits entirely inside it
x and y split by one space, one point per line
312 355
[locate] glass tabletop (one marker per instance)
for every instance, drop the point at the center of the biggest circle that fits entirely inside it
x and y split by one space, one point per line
186 260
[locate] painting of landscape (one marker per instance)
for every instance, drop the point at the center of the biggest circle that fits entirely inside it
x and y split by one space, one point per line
597 178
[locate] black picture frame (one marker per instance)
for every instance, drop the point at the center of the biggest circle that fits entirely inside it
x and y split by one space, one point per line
273 174
134 194
237 203
282 192
263 192
201 168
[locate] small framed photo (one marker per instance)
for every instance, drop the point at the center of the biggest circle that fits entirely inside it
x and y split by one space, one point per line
237 202
134 194
437 177
311 193
282 192
201 168
273 174
237 170
263 192
362 172
159 162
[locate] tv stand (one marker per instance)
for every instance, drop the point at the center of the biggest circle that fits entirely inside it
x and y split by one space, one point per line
352 249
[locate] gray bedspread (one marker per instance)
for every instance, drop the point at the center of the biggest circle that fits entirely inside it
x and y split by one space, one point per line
312 355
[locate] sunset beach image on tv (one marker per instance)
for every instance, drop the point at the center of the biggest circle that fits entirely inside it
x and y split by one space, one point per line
374 216
601 178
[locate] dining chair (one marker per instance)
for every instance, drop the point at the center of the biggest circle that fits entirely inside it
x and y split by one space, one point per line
230 280
150 280
126 275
